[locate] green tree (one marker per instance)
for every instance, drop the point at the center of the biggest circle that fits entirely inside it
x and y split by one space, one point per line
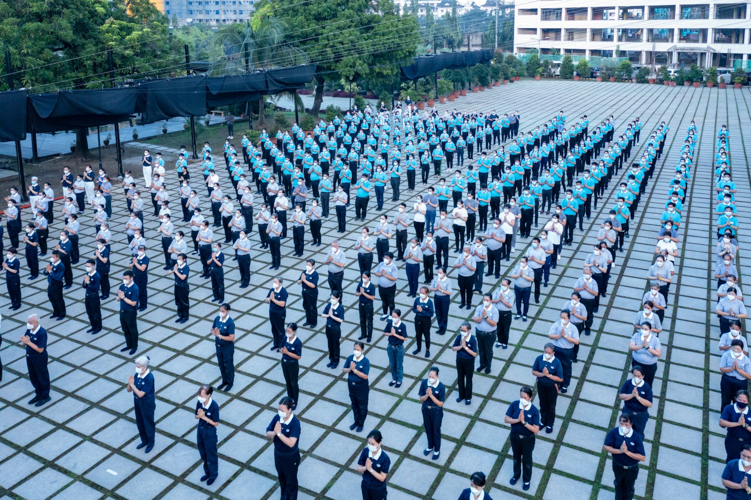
414 8
625 69
348 38
533 64
63 44
582 68
567 67
429 33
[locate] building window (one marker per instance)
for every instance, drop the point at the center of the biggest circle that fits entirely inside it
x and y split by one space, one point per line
662 13
730 11
695 12
526 31
603 14
579 35
693 36
728 36
527 12
553 35
632 14
660 35
629 35
551 14
606 35
576 14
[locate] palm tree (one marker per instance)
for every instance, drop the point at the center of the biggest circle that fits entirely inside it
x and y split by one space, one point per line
258 43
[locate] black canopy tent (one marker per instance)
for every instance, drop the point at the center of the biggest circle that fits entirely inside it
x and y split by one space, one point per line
13 104
69 109
168 98
429 65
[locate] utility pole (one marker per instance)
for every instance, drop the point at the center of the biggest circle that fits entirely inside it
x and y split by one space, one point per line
192 118
117 125
19 156
497 8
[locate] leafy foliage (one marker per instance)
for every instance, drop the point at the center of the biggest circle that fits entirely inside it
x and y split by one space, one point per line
625 69
533 64
582 68
642 76
567 67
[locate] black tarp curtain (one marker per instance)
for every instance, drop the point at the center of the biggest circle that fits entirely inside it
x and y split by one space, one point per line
167 98
428 65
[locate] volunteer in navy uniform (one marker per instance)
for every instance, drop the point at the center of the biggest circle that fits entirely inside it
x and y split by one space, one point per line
223 331
277 301
565 337
735 477
736 370
127 295
207 414
636 395
465 346
475 490
486 317
646 350
366 293
55 271
423 310
35 340
31 240
309 283
334 314
627 448
182 288
735 419
142 386
374 465
12 267
525 424
549 372
140 267
216 270
291 354
396 331
91 281
357 368
284 430
432 393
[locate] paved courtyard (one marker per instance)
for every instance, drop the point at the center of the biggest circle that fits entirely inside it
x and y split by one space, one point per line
81 445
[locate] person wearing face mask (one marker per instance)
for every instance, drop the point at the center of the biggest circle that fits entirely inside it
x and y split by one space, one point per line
402 222
735 367
666 244
142 386
364 247
646 350
465 346
387 274
396 331
727 268
91 285
588 290
35 342
140 265
242 251
442 232
536 258
467 267
366 294
730 309
441 286
12 268
207 414
223 330
486 317
357 368
334 314
374 464
660 273
565 338
597 263
734 418
309 282
298 230
336 261
276 298
627 448
549 372
432 394
55 271
523 277
475 490
412 255
728 337
284 430
340 206
31 242
383 231
291 354
14 223
648 316
636 395
525 424
182 289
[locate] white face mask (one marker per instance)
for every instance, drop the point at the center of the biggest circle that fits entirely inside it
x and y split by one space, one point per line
372 448
745 463
597 252
357 354
548 357
29 326
126 282
474 490
736 355
660 264
100 247
636 380
524 404
731 297
623 430
200 399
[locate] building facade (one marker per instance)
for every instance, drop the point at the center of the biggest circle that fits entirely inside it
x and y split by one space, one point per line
213 12
647 32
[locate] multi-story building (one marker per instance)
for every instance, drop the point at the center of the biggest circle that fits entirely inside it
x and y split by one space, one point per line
648 32
212 12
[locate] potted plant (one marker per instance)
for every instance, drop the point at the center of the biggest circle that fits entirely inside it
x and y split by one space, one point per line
680 77
711 76
625 70
164 128
135 133
665 75
480 76
582 68
739 78
644 75
505 73
107 139
495 74
420 105
538 74
72 146
444 89
567 68
533 66
696 75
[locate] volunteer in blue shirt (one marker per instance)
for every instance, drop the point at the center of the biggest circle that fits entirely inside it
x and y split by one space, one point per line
291 353
35 340
374 465
207 414
396 331
465 346
284 430
525 424
734 418
549 372
142 386
627 448
357 368
432 393
476 485
223 331
636 395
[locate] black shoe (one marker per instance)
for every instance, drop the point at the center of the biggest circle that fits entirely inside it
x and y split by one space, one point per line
89 330
133 351
416 352
513 481
228 388
204 478
221 387
353 426
480 368
124 349
143 445
34 400
96 331
427 353
525 486
149 448
329 365
361 337
211 481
